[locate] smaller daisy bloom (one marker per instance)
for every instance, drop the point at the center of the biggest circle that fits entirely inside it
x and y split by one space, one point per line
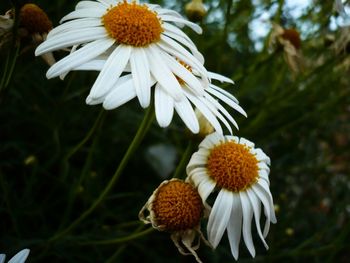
240 172
126 36
288 40
207 104
20 257
176 207
35 23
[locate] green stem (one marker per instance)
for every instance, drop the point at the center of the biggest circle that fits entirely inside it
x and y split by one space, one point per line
99 119
184 160
141 132
121 239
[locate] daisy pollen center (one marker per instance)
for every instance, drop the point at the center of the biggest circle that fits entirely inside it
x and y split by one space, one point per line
232 166
177 206
132 24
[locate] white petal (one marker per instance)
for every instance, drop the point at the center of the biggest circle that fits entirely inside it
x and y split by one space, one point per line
68 39
96 64
255 203
234 227
79 57
20 257
2 258
164 107
261 156
246 142
186 113
264 199
184 74
247 221
222 109
219 217
206 112
266 188
141 76
175 30
193 26
175 49
205 188
75 25
188 44
162 74
111 71
224 92
232 138
219 77
120 95
227 100
90 4
85 13
211 140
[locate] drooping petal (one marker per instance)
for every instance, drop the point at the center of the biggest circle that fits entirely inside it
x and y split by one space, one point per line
255 203
186 113
247 223
73 25
20 257
219 217
180 21
164 107
234 227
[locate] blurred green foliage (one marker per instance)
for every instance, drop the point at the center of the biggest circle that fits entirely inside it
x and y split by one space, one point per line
301 120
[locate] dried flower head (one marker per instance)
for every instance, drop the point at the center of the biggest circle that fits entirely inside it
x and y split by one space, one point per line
176 207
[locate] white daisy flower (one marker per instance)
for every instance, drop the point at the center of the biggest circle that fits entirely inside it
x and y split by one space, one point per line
20 257
207 104
176 207
117 36
240 173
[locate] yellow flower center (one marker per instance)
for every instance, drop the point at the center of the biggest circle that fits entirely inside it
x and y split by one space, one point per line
132 24
292 36
177 206
34 19
232 166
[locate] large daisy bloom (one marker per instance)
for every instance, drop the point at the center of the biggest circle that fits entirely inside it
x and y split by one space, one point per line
119 36
20 257
239 171
176 207
165 104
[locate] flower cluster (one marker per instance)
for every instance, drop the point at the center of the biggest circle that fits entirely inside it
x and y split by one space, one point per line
141 52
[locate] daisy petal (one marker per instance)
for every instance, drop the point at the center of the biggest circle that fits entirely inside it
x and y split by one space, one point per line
120 95
75 24
163 75
186 113
20 257
141 76
68 39
164 107
111 71
234 227
255 203
219 217
219 77
84 13
247 221
182 21
80 56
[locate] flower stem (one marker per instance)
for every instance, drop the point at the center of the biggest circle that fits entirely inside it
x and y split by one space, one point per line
99 120
141 132
121 239
184 160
